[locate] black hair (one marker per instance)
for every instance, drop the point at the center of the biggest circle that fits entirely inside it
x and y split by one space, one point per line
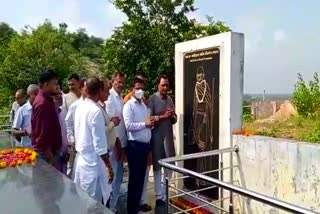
74 76
137 80
47 76
60 83
21 91
93 85
163 76
82 82
117 74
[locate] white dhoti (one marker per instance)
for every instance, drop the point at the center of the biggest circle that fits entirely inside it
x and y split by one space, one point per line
91 175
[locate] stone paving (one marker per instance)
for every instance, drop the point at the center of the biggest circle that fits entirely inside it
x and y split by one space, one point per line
151 196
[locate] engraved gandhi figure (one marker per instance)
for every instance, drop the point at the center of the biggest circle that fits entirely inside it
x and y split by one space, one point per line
202 122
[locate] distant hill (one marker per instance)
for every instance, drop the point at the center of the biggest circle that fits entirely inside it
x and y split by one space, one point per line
270 97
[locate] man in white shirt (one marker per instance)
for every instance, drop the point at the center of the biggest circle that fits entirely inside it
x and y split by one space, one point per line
22 122
92 157
138 124
69 119
20 97
114 107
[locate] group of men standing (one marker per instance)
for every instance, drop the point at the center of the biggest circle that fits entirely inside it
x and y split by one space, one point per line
94 129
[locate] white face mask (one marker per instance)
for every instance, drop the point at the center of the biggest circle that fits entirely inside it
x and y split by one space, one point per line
139 94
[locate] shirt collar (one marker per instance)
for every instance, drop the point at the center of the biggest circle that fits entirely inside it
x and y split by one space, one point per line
28 105
114 92
135 100
161 97
101 104
45 95
89 100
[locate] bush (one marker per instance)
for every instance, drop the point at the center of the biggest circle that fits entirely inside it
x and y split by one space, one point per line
246 112
306 97
312 135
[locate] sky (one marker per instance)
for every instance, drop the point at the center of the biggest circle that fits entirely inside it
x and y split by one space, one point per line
281 37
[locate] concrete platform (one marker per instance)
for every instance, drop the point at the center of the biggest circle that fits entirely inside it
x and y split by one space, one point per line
151 196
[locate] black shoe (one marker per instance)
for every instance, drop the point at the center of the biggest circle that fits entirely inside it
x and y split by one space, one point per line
160 203
145 208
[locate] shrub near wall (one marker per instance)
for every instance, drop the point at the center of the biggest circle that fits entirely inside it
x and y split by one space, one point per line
306 98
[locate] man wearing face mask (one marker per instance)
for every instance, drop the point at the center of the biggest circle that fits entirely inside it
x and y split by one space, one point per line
138 124
130 94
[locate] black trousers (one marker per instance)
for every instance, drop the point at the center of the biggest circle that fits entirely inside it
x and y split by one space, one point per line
137 154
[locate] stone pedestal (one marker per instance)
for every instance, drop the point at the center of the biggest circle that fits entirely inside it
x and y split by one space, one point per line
208 97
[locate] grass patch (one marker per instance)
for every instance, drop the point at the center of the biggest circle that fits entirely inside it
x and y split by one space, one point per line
296 128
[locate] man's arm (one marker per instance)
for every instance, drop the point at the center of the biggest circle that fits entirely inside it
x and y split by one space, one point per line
70 124
12 113
160 116
128 119
64 104
174 115
151 105
100 143
47 117
110 106
17 125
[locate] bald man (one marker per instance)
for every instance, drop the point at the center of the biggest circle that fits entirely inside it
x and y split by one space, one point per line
22 122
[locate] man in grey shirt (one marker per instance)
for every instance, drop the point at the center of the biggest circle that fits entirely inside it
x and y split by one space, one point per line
162 144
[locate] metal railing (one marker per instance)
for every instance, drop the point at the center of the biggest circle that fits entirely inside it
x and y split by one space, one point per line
169 164
6 128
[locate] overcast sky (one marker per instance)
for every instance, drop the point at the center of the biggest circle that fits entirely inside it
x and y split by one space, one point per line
282 36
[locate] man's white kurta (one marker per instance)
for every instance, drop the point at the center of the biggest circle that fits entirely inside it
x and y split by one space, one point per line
114 108
90 135
70 120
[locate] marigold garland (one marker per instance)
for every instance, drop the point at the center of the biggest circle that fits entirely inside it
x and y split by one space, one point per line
185 205
244 132
18 156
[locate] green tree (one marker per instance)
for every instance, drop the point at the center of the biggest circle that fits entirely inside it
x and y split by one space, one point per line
88 46
306 97
6 33
32 51
145 43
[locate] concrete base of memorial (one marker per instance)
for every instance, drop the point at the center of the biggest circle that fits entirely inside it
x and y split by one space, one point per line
284 169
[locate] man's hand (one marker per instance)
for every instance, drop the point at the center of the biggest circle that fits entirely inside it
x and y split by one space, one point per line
106 161
118 149
110 172
65 157
150 122
116 121
167 114
28 133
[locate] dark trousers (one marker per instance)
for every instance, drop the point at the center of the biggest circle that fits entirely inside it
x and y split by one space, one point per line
137 154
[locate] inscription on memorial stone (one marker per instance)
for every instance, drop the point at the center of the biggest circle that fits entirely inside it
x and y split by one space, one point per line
201 114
